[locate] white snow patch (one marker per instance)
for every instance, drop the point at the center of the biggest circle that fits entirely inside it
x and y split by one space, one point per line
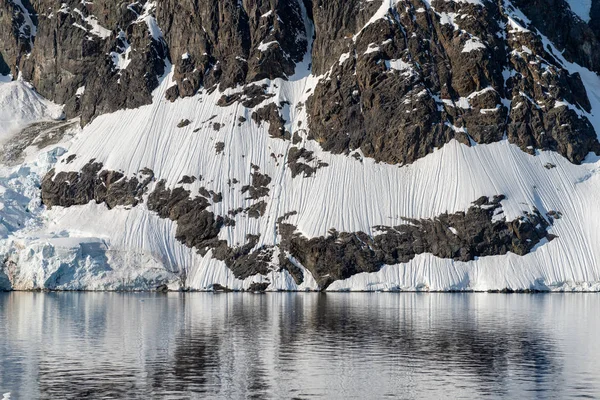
372 48
265 46
473 44
381 12
21 105
121 58
581 8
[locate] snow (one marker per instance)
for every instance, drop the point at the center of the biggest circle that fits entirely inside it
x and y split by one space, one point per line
582 8
447 180
122 59
265 46
343 58
28 21
20 106
372 48
147 17
591 81
91 247
91 20
381 12
97 29
398 65
473 44
449 19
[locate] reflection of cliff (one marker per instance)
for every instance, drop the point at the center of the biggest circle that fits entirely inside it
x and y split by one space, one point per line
69 345
96 345
426 334
193 367
219 350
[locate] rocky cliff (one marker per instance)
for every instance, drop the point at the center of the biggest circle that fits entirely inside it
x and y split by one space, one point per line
207 115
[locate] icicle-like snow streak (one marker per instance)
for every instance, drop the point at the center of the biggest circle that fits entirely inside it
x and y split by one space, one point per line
28 23
382 11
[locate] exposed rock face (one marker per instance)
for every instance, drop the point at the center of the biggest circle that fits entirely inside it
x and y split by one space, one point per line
302 162
461 236
67 189
396 87
392 88
232 42
94 57
578 39
270 113
117 51
408 83
258 188
481 231
196 227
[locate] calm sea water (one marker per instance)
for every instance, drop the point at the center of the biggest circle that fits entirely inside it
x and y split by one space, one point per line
286 345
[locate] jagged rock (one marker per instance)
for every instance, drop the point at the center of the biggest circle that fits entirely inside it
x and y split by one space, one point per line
396 88
196 227
270 113
186 180
413 81
295 155
67 189
104 46
220 288
250 97
259 187
258 287
578 39
460 236
257 210
183 123
231 42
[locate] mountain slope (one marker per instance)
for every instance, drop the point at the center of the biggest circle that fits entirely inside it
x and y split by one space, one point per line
410 145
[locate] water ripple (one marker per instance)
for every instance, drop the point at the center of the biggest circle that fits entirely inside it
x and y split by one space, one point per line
200 345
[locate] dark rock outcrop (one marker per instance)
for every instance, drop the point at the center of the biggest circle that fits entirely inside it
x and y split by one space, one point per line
397 88
299 160
117 51
460 236
412 81
270 113
67 189
259 187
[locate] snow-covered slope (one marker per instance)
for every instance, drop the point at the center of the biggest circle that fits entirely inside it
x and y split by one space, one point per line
581 8
20 106
96 248
130 247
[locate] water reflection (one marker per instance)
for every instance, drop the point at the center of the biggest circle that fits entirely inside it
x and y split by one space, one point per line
88 345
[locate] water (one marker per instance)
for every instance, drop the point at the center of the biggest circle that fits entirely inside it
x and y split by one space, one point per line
305 345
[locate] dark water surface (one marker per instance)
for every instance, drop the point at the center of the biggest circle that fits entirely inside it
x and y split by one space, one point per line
306 345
